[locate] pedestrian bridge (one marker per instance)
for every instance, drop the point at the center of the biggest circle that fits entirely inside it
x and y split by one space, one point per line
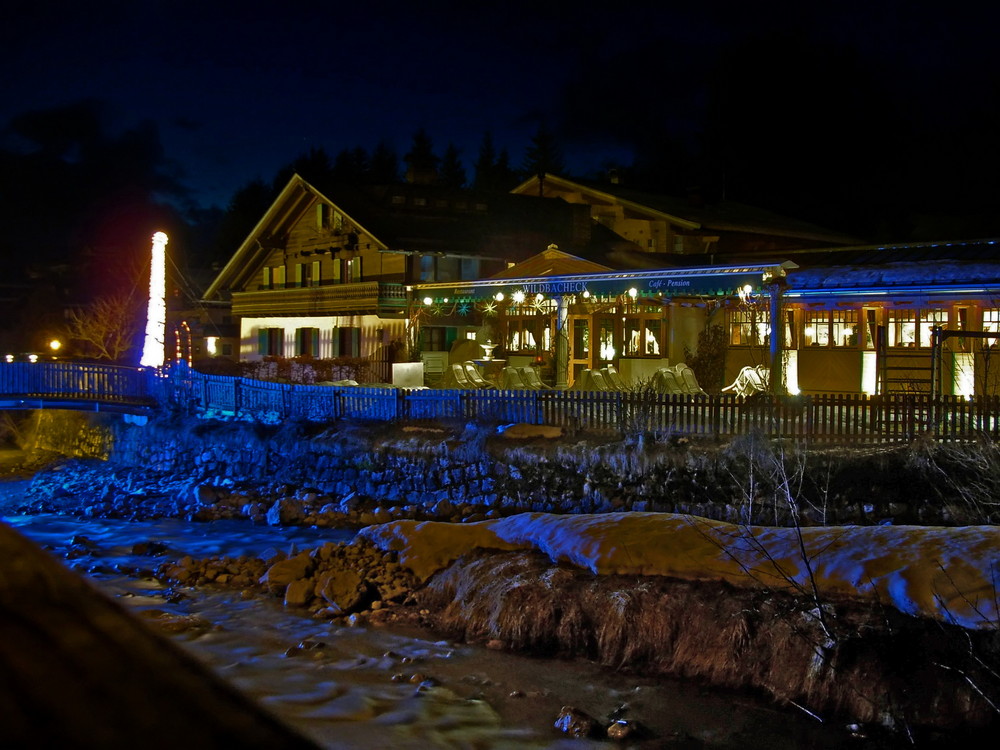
79 386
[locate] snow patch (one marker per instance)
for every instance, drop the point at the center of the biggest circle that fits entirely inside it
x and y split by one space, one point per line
948 574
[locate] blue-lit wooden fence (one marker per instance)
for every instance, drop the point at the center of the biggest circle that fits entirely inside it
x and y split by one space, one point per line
829 418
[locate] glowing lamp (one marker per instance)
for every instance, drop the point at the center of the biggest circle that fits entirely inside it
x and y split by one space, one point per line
633 292
518 297
156 313
428 301
55 345
498 296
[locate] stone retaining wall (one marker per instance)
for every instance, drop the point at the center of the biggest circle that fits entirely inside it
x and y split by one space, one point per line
472 467
433 468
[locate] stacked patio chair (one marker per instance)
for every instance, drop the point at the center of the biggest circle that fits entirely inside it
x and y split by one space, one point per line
591 380
613 379
456 377
688 381
665 381
474 376
512 380
530 377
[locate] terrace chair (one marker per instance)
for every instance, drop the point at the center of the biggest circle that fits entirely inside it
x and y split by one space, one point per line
455 377
665 381
599 382
472 373
530 377
749 381
581 380
512 380
688 381
613 378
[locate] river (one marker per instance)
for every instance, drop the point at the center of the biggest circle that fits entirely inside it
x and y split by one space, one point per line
365 687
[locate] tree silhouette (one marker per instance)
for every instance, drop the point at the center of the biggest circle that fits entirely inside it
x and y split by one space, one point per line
421 160
543 156
384 165
352 166
452 173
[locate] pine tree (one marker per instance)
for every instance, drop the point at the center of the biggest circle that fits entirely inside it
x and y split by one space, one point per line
421 160
452 172
351 166
543 155
486 164
384 165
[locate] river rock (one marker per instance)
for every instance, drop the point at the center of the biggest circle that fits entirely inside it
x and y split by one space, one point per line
342 589
285 512
299 593
575 723
283 572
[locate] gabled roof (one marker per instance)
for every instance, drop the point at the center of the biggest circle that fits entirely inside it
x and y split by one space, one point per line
426 219
722 216
550 262
293 200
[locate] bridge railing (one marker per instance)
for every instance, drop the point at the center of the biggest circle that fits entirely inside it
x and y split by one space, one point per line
75 381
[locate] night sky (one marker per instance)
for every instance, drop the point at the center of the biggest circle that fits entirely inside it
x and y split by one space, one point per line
859 115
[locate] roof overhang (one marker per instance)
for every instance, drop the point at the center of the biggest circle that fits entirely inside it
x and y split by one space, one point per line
714 281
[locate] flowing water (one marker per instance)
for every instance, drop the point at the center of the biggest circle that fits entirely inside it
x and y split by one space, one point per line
366 687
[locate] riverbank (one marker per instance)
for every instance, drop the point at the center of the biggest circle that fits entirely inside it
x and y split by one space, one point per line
845 659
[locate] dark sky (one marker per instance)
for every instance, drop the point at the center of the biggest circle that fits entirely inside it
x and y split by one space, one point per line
775 98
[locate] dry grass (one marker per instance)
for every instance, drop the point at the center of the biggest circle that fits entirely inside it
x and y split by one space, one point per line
718 635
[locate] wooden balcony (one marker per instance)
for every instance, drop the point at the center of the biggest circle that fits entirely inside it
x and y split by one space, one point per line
333 299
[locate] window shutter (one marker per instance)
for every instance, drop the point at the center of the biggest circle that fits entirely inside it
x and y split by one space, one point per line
335 341
262 341
355 342
314 349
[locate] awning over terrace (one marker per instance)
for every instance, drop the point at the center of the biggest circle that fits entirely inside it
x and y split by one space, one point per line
715 281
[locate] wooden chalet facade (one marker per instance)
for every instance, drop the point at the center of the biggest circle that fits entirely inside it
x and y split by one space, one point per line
327 274
386 273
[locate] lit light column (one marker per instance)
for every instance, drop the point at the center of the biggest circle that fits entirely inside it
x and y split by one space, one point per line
156 314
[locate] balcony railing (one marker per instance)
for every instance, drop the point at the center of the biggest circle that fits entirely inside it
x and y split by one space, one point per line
323 299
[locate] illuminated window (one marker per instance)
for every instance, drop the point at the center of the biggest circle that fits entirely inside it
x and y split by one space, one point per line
749 327
816 331
830 328
581 338
642 329
929 320
914 328
991 320
528 326
902 328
